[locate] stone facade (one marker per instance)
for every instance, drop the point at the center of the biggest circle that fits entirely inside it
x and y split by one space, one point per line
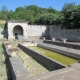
1 33
22 29
70 34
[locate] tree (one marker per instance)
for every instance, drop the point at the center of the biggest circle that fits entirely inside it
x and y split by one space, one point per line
4 9
47 19
51 10
4 13
71 16
67 7
11 15
30 13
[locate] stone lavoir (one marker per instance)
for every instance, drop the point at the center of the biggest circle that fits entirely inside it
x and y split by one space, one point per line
22 30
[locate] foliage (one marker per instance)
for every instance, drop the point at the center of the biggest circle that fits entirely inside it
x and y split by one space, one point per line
26 13
68 17
71 14
4 13
67 7
47 19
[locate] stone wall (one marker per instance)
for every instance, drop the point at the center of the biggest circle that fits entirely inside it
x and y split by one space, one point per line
70 34
45 61
1 33
29 31
62 50
68 45
17 70
11 25
36 31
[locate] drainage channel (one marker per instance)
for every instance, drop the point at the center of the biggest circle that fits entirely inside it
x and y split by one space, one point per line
33 67
55 56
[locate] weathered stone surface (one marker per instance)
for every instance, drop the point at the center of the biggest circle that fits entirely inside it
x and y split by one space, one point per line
9 46
13 54
70 34
17 69
1 33
45 61
67 44
68 73
63 50
27 31
36 31
19 73
76 65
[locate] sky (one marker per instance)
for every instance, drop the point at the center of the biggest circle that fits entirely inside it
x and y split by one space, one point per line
56 4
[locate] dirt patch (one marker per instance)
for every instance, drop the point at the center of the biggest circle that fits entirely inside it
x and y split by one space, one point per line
2 22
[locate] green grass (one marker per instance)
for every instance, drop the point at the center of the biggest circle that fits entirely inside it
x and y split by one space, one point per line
55 56
1 53
0 44
3 75
33 67
2 25
1 49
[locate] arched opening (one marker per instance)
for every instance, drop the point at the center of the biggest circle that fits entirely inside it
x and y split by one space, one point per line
17 31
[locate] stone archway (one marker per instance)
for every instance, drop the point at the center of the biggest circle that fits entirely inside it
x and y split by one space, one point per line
17 31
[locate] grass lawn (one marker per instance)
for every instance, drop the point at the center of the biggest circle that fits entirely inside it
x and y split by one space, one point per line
3 75
2 23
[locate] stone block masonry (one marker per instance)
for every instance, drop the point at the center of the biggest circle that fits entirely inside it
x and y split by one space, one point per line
45 61
70 34
1 33
37 31
13 28
18 71
67 44
62 50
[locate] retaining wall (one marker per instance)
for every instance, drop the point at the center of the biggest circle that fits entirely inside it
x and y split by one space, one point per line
70 34
45 61
63 51
17 70
74 46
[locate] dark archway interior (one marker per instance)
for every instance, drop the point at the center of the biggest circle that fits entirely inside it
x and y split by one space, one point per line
17 31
